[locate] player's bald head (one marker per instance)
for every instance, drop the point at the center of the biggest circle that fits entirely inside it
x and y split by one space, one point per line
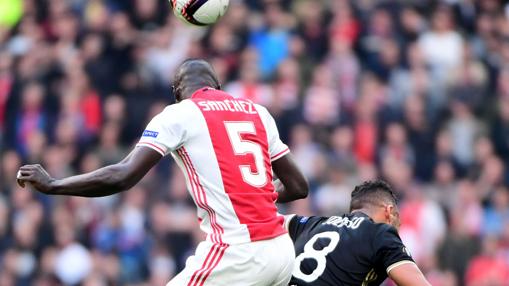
192 75
372 194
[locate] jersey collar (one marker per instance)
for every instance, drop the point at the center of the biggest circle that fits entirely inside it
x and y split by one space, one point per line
361 214
200 92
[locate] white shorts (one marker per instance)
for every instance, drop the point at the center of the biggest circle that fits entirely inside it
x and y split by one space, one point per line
260 263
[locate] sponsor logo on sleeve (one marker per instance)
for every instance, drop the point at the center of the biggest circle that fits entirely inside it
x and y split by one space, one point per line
303 219
148 133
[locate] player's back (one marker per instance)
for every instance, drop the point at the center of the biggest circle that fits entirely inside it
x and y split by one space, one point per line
224 147
344 250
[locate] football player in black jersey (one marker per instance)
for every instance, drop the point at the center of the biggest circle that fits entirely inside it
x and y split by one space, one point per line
360 248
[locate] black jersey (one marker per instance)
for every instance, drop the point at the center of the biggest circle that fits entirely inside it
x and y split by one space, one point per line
344 250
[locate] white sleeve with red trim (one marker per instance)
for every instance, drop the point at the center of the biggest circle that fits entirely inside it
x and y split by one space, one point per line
166 131
277 148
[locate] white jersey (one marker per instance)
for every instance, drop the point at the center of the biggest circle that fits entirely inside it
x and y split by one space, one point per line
225 147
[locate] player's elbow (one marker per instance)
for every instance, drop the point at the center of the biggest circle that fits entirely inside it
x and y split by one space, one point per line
304 191
301 189
301 194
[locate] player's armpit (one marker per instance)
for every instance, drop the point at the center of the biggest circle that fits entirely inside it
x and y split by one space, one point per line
406 273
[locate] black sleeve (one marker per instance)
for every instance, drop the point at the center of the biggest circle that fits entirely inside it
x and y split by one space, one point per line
299 224
389 249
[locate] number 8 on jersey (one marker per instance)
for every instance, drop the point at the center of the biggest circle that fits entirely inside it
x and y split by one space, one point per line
319 255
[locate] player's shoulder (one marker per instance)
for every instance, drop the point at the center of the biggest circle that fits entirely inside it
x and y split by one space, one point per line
262 110
383 233
382 228
178 110
297 224
177 115
307 220
376 229
182 105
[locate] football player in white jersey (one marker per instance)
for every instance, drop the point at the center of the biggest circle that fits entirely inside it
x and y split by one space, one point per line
228 149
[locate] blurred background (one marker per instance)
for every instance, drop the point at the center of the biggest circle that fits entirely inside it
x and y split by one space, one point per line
415 92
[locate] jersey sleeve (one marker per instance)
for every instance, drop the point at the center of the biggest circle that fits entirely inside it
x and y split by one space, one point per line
165 132
277 148
389 249
296 224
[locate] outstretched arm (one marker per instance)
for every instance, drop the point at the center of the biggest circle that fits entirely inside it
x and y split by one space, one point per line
291 184
102 182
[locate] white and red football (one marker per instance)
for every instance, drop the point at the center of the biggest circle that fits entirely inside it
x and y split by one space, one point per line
199 12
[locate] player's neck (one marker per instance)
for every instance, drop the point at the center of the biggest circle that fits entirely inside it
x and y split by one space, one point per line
190 90
369 212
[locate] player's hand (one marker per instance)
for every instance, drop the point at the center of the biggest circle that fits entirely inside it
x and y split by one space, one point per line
37 177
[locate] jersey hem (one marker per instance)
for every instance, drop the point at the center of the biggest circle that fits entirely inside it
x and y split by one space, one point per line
394 265
237 242
269 236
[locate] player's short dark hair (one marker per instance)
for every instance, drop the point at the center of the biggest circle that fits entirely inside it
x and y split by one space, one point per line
200 72
372 193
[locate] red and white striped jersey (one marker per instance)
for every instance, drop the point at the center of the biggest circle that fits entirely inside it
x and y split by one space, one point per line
225 147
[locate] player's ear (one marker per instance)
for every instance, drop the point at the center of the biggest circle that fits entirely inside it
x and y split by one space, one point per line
388 213
392 215
176 92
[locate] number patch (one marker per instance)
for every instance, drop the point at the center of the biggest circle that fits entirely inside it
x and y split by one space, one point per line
318 255
243 147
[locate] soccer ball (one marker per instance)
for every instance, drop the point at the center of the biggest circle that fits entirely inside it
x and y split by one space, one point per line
199 12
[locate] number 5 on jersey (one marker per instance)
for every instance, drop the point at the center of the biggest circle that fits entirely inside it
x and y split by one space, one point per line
319 255
243 147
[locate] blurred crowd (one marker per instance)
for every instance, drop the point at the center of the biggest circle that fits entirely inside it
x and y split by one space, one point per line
412 91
